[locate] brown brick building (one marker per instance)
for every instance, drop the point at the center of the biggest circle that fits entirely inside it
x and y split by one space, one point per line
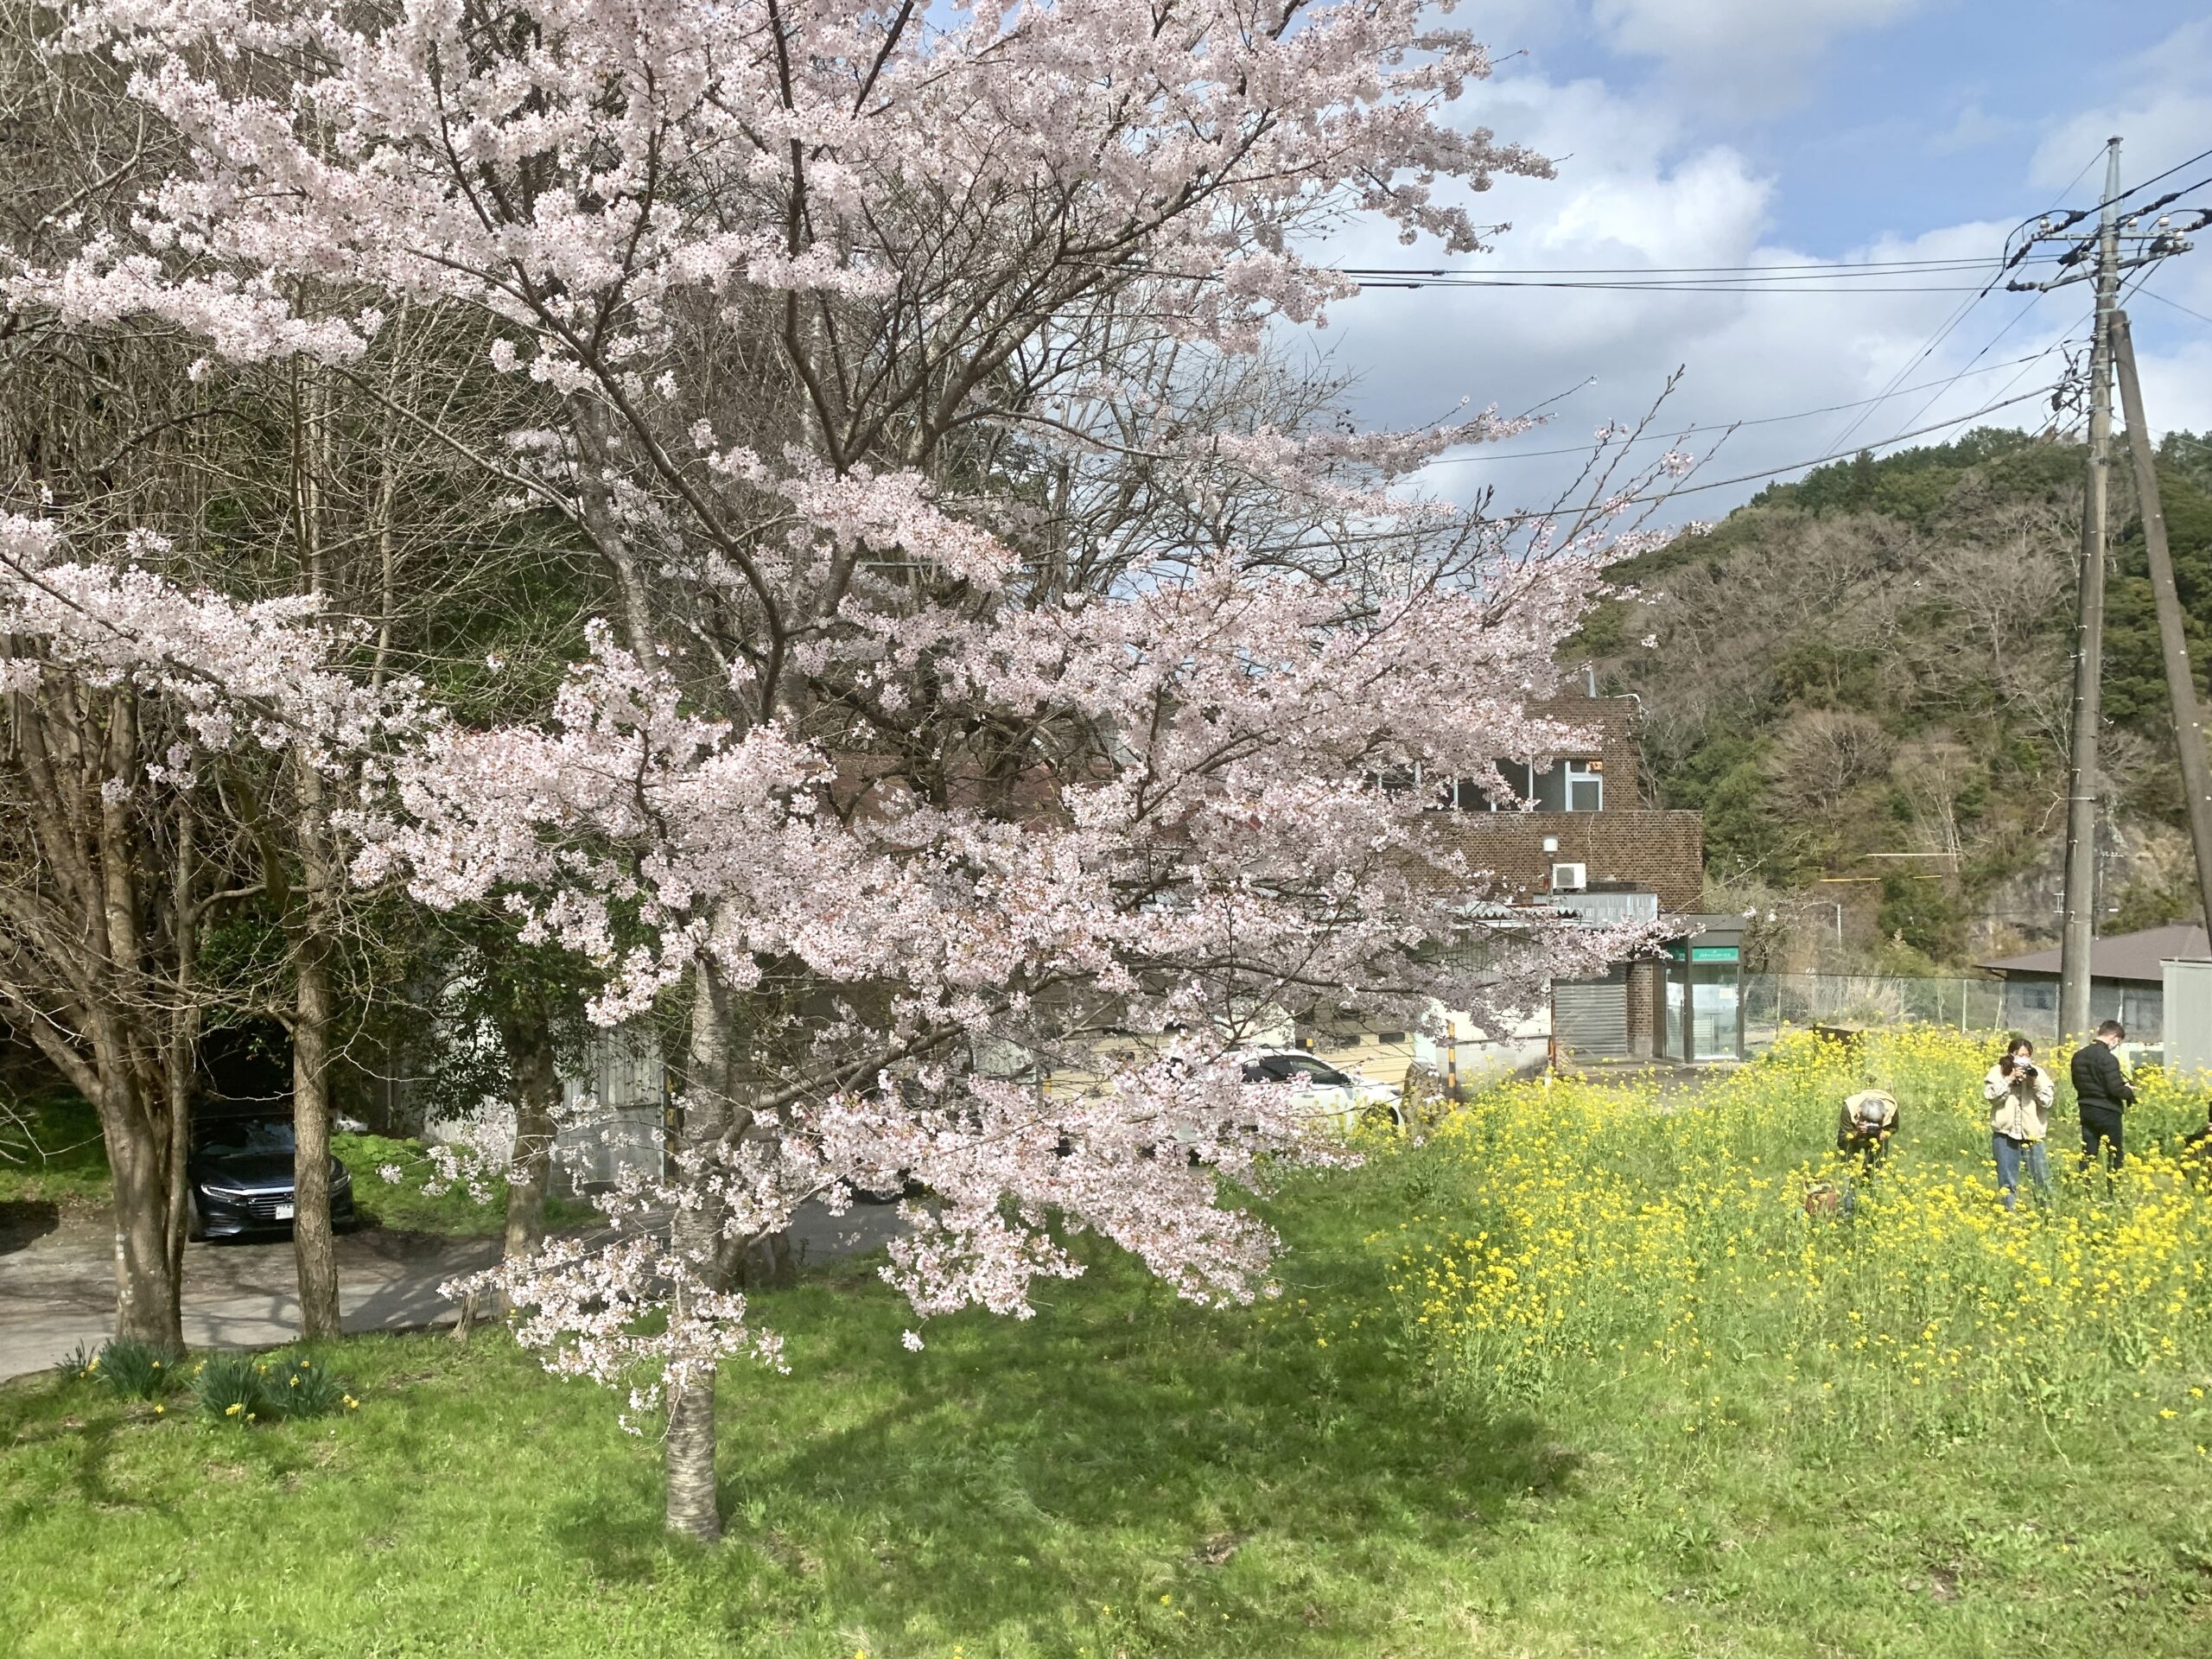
1590 846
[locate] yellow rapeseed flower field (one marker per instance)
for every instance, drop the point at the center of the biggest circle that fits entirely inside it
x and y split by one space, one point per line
1574 1235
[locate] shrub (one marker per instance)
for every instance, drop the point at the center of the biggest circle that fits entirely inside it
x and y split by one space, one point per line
77 1365
263 1387
297 1387
232 1388
127 1368
135 1370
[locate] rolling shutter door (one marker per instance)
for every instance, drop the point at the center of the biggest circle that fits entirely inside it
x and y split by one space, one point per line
1590 1016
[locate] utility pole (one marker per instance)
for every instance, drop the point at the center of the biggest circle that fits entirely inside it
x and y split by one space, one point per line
2079 927
2101 256
2181 679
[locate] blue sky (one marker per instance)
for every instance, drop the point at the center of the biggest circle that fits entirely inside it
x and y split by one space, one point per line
1758 131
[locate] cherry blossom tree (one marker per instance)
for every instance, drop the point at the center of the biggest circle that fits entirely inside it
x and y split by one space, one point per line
1002 647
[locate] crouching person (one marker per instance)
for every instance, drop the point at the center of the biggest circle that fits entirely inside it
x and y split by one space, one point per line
2018 1092
1863 1130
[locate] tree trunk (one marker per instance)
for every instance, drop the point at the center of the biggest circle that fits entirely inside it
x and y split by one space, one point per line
181 1043
691 1452
312 1242
537 1085
696 1235
146 1290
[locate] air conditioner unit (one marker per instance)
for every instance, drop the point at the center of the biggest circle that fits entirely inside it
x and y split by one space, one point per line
1570 878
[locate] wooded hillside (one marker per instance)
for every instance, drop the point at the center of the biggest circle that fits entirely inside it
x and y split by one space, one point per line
1876 660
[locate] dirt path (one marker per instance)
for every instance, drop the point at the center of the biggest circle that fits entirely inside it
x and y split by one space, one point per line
57 1283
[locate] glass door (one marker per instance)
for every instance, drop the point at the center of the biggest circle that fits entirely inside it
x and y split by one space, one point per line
1715 1011
1673 1039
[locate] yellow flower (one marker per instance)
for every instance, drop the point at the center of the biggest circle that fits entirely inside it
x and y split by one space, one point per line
234 1408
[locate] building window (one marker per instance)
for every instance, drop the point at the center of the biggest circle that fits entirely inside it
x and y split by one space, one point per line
1585 785
1563 787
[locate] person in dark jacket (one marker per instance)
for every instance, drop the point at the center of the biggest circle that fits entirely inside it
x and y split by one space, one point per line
2101 1092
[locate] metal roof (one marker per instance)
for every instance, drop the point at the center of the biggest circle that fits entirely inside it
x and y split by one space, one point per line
2123 955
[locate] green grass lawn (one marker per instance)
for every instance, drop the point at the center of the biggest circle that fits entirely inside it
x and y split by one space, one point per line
55 1157
406 1205
50 1151
1123 1475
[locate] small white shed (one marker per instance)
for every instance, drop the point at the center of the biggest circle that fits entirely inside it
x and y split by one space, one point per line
2189 1019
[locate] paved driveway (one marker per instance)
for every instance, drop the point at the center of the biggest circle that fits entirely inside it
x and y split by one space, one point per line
57 1282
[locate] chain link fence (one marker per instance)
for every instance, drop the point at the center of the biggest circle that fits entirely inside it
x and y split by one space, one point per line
1772 1002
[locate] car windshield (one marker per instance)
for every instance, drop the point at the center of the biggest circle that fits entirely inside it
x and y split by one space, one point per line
1294 1068
242 1134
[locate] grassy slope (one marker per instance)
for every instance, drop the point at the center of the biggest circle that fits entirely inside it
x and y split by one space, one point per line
63 1162
55 1155
405 1204
1123 1475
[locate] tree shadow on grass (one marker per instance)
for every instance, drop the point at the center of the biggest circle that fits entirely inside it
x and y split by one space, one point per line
1122 1445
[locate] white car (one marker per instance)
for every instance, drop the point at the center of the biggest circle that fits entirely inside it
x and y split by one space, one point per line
1323 1089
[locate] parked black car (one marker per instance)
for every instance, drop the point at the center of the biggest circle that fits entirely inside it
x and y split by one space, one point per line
239 1179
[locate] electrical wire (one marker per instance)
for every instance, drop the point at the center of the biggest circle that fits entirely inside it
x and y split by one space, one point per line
2201 155
1846 454
2176 304
1942 332
1685 286
1796 465
2034 300
1814 267
2020 364
2024 256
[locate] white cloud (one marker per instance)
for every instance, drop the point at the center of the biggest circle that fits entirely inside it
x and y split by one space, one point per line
1639 188
1748 53
2161 109
1634 193
1975 127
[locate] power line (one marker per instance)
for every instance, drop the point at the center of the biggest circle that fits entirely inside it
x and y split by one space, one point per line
2095 156
2146 184
1846 454
2023 256
1941 334
1791 467
2176 304
1685 286
2033 300
1763 420
1956 263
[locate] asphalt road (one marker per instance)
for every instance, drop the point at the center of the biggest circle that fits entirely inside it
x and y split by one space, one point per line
57 1282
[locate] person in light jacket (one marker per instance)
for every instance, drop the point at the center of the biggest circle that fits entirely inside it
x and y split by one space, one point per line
2018 1092
1863 1129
